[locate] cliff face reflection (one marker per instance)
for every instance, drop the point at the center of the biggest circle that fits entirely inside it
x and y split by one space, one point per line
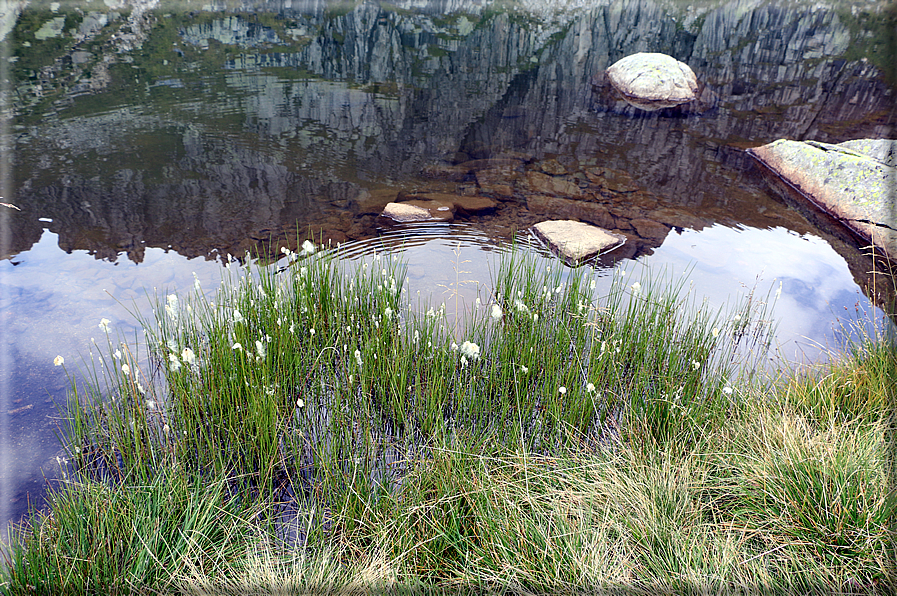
219 130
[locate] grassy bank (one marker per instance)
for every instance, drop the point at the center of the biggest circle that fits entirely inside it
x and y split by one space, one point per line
311 429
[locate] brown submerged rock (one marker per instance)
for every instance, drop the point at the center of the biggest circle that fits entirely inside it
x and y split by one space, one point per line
594 213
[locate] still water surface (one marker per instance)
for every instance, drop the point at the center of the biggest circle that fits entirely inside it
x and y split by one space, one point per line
152 139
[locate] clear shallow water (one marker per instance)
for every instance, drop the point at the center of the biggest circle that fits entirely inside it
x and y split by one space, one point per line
226 130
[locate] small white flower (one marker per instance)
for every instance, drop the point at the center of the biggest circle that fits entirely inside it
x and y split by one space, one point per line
292 328
117 354
736 318
311 331
238 318
463 361
351 378
196 285
150 404
58 361
592 285
260 348
140 388
520 306
126 369
188 356
715 332
175 363
387 313
300 403
308 247
471 350
358 357
496 311
454 347
523 369
562 390
166 429
590 387
237 346
636 288
104 324
727 390
695 364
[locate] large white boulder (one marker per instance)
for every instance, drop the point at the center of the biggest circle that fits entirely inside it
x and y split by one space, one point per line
653 81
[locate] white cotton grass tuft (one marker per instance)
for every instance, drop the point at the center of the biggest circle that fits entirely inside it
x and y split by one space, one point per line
636 288
188 356
496 311
308 247
470 350
104 324
171 307
562 390
58 361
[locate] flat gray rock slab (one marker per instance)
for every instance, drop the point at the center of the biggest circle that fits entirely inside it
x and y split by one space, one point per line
855 182
652 81
575 241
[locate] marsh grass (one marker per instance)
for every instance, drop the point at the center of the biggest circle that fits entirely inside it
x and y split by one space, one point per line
308 430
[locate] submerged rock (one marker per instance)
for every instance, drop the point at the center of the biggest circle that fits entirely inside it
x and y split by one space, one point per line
854 182
575 241
653 81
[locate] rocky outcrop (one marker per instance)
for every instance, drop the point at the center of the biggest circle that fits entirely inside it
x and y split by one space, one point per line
653 81
575 241
854 182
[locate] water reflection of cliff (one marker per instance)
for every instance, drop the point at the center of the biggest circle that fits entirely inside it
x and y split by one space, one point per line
316 119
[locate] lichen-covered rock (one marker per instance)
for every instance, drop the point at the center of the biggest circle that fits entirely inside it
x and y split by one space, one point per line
652 81
575 241
853 181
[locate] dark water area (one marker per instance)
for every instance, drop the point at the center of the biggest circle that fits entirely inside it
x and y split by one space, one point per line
144 141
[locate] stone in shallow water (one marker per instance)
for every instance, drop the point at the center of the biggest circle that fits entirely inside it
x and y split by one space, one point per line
853 182
576 241
403 212
653 81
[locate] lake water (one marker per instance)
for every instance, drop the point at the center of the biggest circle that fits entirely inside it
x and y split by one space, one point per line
148 140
